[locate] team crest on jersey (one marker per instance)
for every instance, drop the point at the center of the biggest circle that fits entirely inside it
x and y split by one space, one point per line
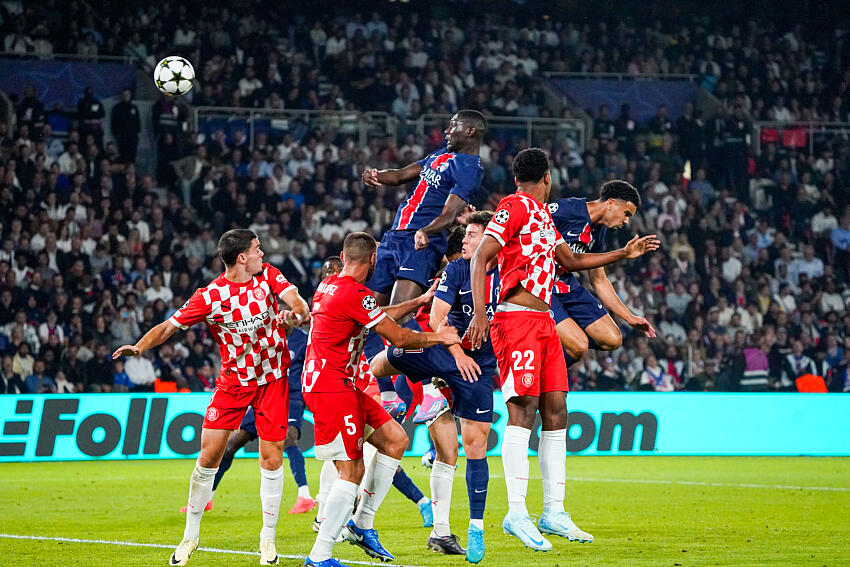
259 294
369 302
443 166
212 414
553 208
501 216
527 379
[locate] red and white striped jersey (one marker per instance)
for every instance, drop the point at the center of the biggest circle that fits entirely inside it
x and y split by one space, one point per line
343 312
241 318
528 237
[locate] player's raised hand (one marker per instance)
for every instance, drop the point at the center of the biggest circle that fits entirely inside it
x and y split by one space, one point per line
447 334
479 327
126 350
468 368
370 178
644 326
420 240
639 246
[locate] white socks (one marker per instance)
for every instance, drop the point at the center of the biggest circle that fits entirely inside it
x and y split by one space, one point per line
326 480
515 465
552 454
304 491
388 396
376 484
428 389
340 503
442 476
271 488
200 490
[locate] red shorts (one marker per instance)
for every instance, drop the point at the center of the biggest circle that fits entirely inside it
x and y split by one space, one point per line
340 420
531 360
270 402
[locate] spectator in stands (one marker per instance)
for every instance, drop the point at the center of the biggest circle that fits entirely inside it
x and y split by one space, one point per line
126 126
38 382
10 381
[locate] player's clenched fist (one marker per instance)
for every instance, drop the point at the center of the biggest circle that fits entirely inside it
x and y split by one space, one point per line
370 178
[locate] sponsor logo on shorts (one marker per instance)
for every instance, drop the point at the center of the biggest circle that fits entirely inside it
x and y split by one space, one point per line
527 379
369 302
212 414
398 351
259 294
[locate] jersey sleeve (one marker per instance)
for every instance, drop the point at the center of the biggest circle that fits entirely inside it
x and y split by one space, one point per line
467 176
508 221
277 282
193 311
363 308
449 285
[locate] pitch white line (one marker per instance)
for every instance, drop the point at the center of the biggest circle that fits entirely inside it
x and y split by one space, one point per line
701 483
163 546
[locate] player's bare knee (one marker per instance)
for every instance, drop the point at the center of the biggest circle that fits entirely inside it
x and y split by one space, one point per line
475 446
447 455
611 340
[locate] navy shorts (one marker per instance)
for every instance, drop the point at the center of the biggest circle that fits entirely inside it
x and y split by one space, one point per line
398 259
296 410
470 400
579 305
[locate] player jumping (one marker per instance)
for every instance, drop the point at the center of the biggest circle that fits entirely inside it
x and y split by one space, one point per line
344 311
469 375
410 252
241 309
582 321
531 361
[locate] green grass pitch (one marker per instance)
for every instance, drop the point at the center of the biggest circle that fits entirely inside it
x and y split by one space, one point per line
650 511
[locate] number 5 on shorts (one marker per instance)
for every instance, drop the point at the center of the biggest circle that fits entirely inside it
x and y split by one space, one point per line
350 428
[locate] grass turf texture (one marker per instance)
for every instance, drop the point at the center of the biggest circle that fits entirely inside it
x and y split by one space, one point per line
633 523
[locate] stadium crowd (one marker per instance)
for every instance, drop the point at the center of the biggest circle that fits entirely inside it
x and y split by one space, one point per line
750 290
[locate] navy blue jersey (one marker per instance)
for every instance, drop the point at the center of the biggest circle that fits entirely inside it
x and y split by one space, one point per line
572 221
297 343
455 288
443 174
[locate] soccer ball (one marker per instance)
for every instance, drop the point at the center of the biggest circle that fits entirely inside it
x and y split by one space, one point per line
174 76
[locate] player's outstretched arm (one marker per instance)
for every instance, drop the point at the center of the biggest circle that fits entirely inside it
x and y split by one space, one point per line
152 338
405 308
454 207
402 337
576 262
480 325
376 178
612 302
299 311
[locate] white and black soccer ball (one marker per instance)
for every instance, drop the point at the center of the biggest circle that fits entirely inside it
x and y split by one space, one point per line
174 76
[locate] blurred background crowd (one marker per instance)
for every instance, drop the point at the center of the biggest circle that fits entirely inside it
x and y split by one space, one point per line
749 292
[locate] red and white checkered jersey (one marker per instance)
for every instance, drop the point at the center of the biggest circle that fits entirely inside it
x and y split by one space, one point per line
343 312
241 318
528 237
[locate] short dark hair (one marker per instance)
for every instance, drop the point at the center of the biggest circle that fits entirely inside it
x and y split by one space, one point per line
454 242
530 165
233 243
475 119
331 263
479 217
358 247
620 190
